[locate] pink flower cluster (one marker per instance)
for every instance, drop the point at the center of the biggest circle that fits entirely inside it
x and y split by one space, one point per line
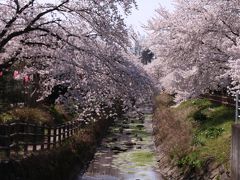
17 76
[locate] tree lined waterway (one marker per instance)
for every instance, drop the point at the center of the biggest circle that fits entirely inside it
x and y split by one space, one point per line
127 153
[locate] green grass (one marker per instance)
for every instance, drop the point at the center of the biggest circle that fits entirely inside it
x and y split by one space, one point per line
211 130
141 158
200 103
141 133
26 114
135 159
6 117
40 115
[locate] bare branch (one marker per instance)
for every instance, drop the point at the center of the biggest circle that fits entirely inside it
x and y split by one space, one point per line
17 5
230 28
14 18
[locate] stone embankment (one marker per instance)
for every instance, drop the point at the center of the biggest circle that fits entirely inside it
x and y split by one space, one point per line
210 171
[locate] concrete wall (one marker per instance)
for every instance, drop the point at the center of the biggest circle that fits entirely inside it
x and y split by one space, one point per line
235 157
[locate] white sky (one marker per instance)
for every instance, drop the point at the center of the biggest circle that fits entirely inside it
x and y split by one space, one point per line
139 17
146 10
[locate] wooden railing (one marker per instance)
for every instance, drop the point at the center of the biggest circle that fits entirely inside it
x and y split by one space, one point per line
225 100
23 138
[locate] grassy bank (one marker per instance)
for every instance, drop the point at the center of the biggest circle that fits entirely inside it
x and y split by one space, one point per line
42 114
193 132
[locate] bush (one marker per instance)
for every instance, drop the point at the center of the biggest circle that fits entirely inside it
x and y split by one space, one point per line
164 100
32 115
59 114
41 115
197 141
6 117
191 160
213 133
173 133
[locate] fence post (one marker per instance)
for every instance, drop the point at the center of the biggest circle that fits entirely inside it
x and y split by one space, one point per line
236 111
19 128
235 157
35 137
26 130
64 131
9 141
60 135
54 137
68 130
43 136
49 132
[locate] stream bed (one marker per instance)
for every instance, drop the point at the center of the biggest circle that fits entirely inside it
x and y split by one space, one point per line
127 153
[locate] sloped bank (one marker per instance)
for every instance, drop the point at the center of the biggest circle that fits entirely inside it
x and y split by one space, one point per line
61 163
192 139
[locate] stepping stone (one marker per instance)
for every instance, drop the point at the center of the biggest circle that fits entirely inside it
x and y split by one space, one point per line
120 149
129 143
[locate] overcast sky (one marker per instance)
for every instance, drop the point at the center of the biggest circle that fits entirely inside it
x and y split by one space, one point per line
146 10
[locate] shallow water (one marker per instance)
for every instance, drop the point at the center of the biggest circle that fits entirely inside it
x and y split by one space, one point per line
126 154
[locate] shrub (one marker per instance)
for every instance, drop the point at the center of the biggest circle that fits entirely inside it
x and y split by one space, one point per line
213 133
173 132
191 160
59 114
32 115
164 100
6 117
196 141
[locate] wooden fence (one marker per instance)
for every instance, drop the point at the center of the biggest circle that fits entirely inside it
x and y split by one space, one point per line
23 138
225 100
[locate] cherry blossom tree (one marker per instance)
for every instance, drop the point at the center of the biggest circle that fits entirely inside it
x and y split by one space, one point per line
193 45
29 22
136 41
78 45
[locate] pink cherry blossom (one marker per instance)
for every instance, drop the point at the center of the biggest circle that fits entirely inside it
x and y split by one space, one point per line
16 75
26 79
79 47
196 47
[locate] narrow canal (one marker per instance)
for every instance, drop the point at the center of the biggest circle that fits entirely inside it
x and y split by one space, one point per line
127 153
